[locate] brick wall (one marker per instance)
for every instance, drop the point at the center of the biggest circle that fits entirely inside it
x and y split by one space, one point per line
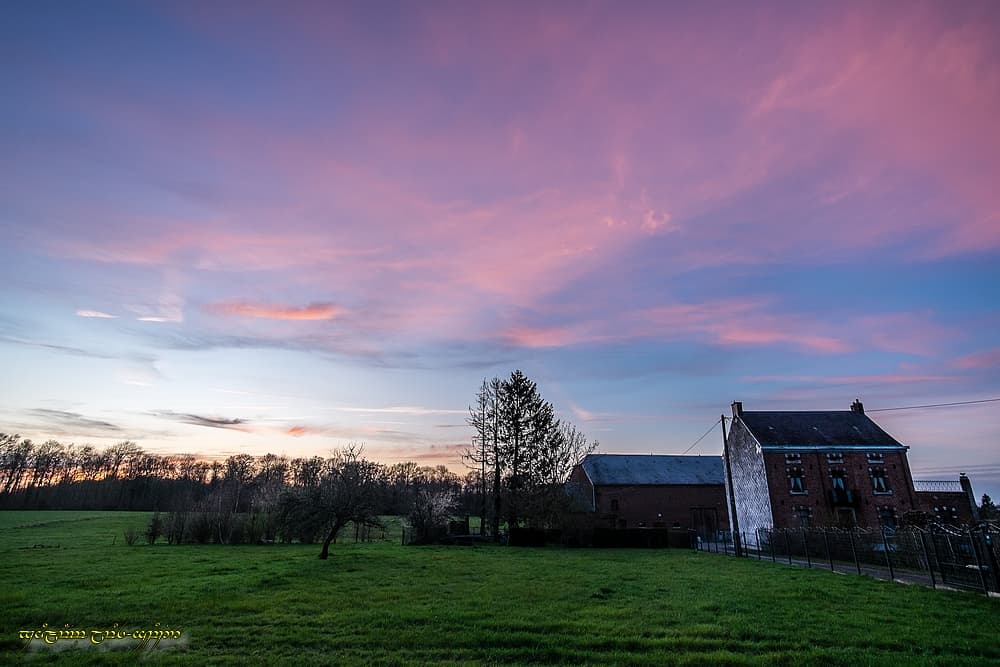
693 506
661 506
865 506
946 507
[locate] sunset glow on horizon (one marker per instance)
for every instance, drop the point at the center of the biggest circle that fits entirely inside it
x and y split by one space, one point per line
257 227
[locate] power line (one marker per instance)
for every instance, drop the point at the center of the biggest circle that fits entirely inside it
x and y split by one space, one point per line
936 405
710 429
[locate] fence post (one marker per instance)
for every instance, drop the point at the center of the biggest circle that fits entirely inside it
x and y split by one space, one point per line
788 545
743 545
888 561
770 538
979 562
927 557
826 541
854 551
756 533
805 545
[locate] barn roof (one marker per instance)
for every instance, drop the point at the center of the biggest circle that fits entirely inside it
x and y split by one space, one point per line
652 469
817 429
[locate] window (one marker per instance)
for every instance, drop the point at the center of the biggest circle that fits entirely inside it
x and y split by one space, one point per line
875 457
796 481
880 483
614 504
833 457
804 515
838 480
946 515
793 458
846 518
887 517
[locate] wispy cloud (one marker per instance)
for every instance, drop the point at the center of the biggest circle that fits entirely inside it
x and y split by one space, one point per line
314 311
73 424
65 349
404 410
888 378
96 314
983 359
234 424
70 426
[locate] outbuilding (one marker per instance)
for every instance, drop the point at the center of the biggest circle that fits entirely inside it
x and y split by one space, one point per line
653 491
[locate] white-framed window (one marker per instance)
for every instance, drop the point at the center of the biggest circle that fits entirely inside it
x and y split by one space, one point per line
796 481
793 458
880 482
876 457
835 457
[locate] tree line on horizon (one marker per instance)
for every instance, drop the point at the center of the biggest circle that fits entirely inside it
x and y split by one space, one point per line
521 456
123 476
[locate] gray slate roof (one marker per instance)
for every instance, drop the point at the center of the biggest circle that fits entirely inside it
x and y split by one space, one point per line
641 469
817 429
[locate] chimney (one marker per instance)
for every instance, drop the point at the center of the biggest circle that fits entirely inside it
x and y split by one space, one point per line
963 479
737 409
858 406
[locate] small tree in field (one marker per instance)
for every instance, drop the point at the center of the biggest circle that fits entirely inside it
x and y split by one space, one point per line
347 491
430 514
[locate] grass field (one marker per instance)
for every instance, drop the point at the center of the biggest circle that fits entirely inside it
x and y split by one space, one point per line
388 604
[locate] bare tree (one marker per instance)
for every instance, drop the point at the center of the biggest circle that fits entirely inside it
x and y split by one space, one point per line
477 456
15 460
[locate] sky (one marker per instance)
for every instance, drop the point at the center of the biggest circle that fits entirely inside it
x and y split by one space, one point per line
256 227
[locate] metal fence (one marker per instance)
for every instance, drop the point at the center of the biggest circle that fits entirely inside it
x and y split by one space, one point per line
944 556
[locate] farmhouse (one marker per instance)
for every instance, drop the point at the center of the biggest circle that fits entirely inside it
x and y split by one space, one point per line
830 468
653 491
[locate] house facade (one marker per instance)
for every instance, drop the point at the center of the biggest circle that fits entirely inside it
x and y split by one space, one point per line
950 502
653 491
823 468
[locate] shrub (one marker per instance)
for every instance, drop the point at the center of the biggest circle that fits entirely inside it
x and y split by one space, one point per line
154 529
176 524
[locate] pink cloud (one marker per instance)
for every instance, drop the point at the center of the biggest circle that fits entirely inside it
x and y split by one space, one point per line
315 311
910 333
888 378
738 323
985 359
608 144
923 93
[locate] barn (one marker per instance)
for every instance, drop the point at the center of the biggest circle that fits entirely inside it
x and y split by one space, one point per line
653 491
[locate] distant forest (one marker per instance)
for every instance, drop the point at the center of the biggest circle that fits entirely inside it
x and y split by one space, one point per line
53 475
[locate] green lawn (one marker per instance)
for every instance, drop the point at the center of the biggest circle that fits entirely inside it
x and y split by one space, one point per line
388 604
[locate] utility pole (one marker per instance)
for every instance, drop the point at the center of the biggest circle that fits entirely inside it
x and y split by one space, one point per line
733 521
